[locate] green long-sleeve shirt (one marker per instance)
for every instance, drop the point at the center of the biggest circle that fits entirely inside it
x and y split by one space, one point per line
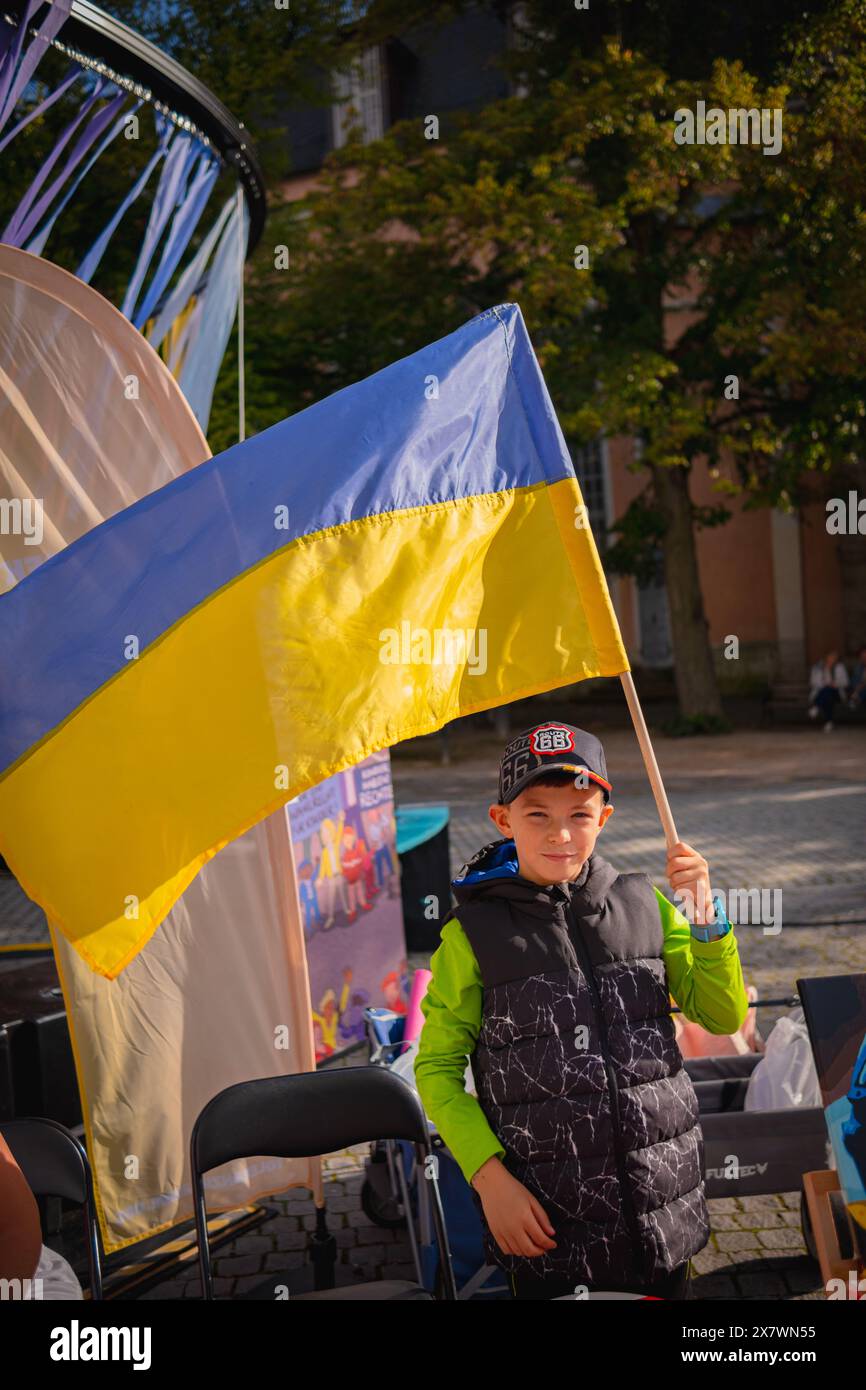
705 979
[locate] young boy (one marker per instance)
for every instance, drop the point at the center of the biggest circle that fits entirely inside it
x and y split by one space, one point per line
583 1149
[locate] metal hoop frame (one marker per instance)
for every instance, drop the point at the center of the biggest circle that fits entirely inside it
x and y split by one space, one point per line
93 37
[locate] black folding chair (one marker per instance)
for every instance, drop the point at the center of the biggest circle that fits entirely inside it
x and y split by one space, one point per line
55 1164
304 1115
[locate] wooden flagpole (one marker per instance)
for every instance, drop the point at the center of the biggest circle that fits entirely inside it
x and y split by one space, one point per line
649 758
655 777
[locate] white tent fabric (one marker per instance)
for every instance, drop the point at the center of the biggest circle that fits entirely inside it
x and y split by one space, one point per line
90 420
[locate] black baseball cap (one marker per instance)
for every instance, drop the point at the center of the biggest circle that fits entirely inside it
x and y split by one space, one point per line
551 747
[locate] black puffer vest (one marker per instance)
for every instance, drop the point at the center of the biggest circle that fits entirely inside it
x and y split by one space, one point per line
578 1071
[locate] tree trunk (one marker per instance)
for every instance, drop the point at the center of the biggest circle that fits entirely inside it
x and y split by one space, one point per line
697 688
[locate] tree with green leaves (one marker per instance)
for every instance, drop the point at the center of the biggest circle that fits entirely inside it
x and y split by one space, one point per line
577 200
259 60
789 317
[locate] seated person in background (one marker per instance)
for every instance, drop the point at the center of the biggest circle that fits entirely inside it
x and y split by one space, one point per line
858 681
828 684
20 1231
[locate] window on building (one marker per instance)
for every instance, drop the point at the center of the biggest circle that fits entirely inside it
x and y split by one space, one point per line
589 464
654 619
360 98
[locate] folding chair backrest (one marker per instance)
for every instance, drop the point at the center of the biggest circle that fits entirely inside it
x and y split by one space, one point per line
51 1158
300 1116
55 1164
306 1114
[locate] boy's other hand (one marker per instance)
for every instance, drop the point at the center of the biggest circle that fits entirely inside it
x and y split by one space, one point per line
689 876
517 1221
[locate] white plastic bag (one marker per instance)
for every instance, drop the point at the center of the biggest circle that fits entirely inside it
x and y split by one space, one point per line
54 1278
786 1075
404 1066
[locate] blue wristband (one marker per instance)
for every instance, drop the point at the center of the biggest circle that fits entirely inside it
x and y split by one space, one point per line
713 931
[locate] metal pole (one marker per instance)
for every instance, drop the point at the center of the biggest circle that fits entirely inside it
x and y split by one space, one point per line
242 425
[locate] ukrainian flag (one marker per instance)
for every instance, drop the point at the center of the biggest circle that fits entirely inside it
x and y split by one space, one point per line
409 550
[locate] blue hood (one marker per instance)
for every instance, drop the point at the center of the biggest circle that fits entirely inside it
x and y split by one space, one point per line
495 870
498 860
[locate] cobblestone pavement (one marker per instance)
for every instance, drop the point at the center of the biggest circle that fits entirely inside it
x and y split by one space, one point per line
775 811
756 1249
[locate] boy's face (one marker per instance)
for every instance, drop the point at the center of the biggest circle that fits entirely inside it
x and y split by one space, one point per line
554 829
